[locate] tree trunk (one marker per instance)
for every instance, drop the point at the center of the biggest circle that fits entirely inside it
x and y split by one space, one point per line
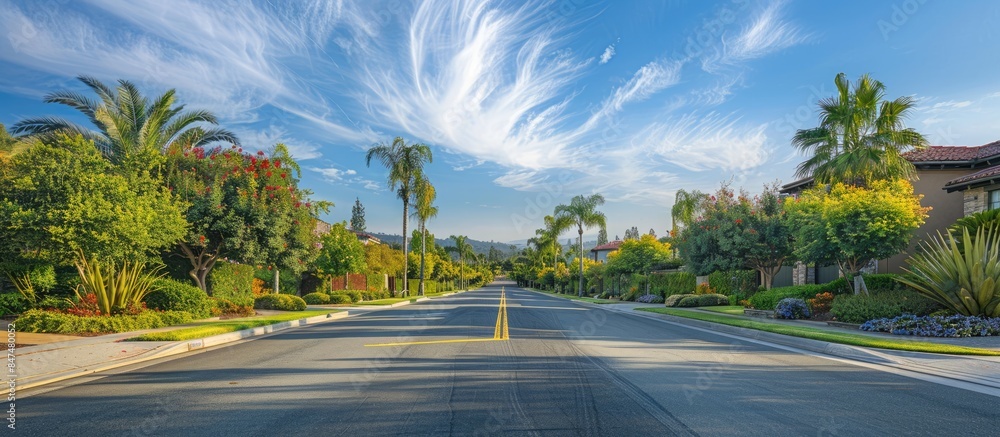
580 294
276 279
461 273
201 264
406 259
423 253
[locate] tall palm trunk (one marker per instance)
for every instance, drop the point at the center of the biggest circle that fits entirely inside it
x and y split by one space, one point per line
423 254
581 262
406 259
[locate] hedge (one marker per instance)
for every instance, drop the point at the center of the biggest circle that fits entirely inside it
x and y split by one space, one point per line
281 302
768 299
670 284
60 323
861 308
414 286
316 298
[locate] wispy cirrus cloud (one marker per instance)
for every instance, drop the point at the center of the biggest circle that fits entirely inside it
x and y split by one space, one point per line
767 33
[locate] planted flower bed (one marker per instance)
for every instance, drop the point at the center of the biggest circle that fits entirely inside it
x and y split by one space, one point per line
936 326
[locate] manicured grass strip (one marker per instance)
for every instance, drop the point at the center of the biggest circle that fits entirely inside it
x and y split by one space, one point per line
832 337
209 329
388 301
736 310
572 297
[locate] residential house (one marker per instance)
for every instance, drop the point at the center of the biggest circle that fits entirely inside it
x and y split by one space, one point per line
955 181
600 253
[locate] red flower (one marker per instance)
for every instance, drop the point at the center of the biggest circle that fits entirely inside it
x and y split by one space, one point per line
260 153
201 239
277 163
283 176
739 221
269 173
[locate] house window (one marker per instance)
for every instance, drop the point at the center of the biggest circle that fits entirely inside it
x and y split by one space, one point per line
994 200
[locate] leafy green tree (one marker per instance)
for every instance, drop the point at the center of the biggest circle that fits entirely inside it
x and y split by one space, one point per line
582 210
548 237
861 137
463 249
342 252
358 216
62 197
405 163
383 260
705 242
247 208
852 225
131 129
640 255
424 210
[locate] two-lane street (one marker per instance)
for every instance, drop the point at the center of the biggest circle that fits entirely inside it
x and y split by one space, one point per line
567 369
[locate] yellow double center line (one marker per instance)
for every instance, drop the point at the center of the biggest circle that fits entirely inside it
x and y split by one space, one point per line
500 332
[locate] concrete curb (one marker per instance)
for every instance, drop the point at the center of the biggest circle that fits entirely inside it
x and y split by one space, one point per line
180 347
855 353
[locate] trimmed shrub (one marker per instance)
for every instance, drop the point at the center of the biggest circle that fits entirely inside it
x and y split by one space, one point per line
860 308
171 295
233 282
61 323
56 303
821 303
791 308
227 308
316 298
689 302
711 300
280 302
936 326
12 303
340 299
768 299
351 297
649 298
674 300
882 283
741 282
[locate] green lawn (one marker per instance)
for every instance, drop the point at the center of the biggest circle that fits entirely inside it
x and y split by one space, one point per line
207 329
572 297
823 335
392 300
736 310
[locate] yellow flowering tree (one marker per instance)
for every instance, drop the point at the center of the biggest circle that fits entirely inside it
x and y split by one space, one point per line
851 226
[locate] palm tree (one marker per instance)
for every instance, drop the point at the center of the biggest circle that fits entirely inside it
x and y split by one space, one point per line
582 211
861 137
424 196
405 163
462 248
686 206
554 226
128 124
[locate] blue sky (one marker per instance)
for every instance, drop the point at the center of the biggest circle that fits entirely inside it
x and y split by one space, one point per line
525 104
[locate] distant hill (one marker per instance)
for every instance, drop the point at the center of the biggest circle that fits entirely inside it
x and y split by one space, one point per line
478 246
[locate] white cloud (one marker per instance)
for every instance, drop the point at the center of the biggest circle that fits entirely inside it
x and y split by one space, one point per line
766 34
708 142
648 80
949 105
609 52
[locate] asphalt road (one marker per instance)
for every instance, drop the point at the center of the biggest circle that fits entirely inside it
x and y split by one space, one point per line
567 369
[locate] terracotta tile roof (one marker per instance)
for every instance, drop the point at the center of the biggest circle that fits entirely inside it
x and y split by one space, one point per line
954 153
614 245
986 173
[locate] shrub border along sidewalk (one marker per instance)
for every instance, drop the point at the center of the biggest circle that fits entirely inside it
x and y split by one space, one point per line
573 297
828 336
209 329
